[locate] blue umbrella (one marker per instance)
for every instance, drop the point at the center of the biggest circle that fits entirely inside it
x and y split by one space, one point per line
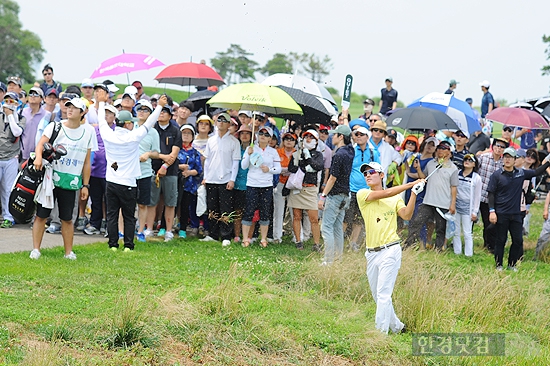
459 111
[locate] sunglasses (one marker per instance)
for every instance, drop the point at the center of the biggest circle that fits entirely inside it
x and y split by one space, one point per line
443 147
266 134
47 73
373 120
129 122
34 95
377 130
469 159
259 118
507 129
500 146
461 135
325 132
369 172
359 134
288 139
223 120
409 142
144 109
11 101
531 155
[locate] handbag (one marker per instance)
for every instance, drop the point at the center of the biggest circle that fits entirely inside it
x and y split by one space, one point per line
295 180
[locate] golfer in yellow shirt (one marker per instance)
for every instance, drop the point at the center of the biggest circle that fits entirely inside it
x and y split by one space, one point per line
380 208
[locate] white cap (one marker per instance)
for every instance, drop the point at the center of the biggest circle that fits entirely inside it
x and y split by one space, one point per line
312 132
485 83
117 102
145 103
111 108
87 82
130 89
77 102
247 113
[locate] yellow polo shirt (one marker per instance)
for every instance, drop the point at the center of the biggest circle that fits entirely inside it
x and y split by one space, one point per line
380 218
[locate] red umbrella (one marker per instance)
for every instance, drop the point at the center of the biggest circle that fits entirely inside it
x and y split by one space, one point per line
189 73
518 117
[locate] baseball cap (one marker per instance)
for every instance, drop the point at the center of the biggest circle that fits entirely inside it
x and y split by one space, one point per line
188 127
261 114
500 139
37 90
3 87
342 130
52 91
117 102
205 117
311 132
155 97
77 102
144 103
112 109
453 82
224 117
130 89
369 101
166 108
11 95
372 165
469 100
133 96
445 145
291 134
15 80
102 87
485 83
111 86
268 129
432 139
246 113
323 127
87 83
521 153
392 133
68 96
390 79
460 133
363 130
245 128
187 104
125 116
510 151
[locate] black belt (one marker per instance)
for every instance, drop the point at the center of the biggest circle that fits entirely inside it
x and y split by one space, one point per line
377 249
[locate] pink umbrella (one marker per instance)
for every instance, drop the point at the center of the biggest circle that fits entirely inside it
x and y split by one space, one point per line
518 117
125 63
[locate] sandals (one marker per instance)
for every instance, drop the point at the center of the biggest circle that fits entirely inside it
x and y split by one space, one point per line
263 243
246 243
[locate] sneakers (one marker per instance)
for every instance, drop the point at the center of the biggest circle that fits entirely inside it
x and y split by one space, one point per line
147 232
70 256
207 238
53 229
91 230
226 243
500 269
168 236
6 224
126 250
193 231
140 237
316 247
513 269
35 254
81 223
182 234
161 232
299 245
103 228
114 249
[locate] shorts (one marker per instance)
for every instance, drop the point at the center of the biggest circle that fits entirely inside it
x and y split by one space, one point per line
168 187
353 214
144 191
65 203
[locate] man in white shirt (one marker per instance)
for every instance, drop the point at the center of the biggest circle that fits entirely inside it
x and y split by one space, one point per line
221 165
122 153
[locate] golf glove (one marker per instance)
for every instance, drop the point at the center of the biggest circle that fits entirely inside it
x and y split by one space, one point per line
418 188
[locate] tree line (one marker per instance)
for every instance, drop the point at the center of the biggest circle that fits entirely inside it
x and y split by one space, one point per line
235 65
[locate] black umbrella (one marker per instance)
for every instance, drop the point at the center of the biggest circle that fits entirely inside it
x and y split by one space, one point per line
314 110
200 98
421 118
543 105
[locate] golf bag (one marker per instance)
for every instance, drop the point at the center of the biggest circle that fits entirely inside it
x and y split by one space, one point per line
21 202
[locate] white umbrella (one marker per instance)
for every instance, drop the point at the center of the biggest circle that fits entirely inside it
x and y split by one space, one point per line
300 82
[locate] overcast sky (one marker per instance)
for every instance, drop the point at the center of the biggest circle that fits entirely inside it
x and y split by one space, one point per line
422 44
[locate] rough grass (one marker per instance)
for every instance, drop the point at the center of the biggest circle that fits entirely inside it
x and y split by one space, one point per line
188 302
